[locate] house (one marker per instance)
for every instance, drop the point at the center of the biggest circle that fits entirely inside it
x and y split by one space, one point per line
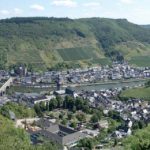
4 100
119 134
147 73
129 132
60 134
130 123
21 70
91 133
70 91
32 98
60 92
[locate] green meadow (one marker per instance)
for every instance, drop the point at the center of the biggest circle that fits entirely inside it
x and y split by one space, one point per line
142 92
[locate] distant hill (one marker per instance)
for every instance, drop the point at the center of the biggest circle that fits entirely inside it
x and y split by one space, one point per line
146 26
62 42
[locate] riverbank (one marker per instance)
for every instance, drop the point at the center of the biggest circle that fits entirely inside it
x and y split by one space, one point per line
111 85
85 86
105 82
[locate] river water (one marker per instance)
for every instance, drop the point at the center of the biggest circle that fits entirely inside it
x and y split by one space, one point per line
96 87
110 85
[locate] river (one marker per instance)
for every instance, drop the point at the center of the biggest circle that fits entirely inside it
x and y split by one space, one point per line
86 86
105 86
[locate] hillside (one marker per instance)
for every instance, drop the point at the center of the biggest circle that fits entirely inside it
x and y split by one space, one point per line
61 42
146 26
12 138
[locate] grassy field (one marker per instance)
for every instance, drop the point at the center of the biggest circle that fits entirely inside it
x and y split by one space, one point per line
80 53
102 61
143 93
135 52
141 61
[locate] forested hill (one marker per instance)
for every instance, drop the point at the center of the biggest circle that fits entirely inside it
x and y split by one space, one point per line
146 26
63 42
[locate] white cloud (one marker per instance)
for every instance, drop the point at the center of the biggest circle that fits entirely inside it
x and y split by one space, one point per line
18 11
127 1
92 4
4 12
141 14
37 7
66 3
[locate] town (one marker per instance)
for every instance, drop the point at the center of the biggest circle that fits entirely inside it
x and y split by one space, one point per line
85 75
66 115
74 75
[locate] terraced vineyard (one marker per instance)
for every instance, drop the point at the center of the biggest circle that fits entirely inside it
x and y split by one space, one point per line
102 61
143 93
141 61
79 53
46 43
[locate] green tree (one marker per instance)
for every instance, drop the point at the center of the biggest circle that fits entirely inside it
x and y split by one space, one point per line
135 125
81 117
38 110
42 106
53 104
86 143
74 109
79 103
19 110
12 138
64 122
70 115
115 142
86 108
61 116
138 141
59 101
47 106
73 125
69 102
141 124
94 118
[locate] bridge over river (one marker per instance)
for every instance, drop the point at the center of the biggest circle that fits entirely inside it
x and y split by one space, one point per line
6 85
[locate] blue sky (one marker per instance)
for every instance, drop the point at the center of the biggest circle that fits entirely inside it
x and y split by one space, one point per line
137 11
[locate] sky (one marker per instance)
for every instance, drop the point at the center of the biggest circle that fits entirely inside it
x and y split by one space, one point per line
136 11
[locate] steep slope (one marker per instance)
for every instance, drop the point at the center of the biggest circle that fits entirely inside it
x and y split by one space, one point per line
146 26
63 42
